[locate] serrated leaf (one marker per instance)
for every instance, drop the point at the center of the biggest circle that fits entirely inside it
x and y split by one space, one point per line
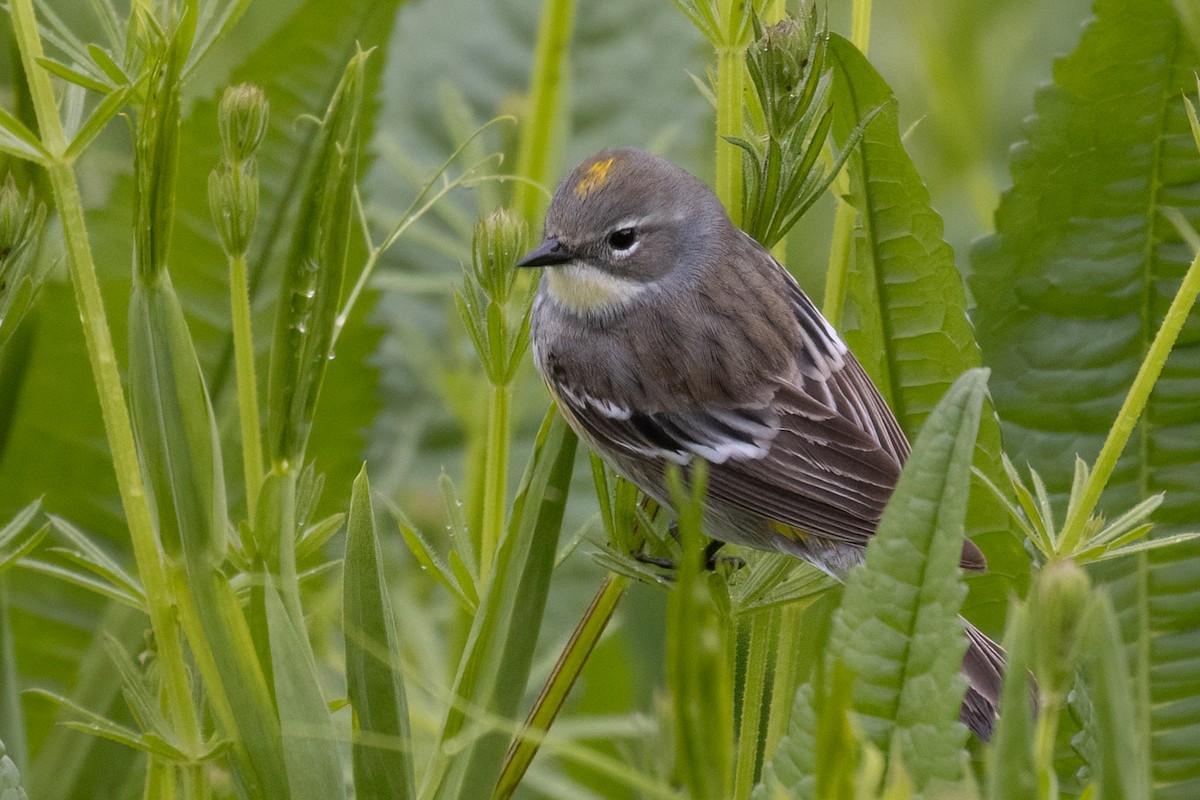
906 318
898 628
1077 278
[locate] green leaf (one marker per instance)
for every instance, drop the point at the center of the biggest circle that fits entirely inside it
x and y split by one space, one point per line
382 746
73 75
311 291
309 752
10 548
174 424
495 664
898 628
1076 279
906 316
19 141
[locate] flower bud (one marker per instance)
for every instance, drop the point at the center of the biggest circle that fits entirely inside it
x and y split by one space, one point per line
1060 601
242 121
233 201
499 241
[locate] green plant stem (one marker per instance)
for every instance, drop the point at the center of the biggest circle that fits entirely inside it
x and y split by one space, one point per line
570 664
103 360
730 89
763 646
495 479
860 24
842 241
247 382
538 146
1044 738
786 664
1135 403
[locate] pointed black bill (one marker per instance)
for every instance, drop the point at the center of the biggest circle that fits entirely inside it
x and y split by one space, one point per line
550 253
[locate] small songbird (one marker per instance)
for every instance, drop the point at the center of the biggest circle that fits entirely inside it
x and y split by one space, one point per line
667 335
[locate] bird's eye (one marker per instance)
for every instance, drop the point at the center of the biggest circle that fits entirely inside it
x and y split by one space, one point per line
622 239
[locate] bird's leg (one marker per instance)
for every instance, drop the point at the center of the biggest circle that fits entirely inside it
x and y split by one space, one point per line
712 559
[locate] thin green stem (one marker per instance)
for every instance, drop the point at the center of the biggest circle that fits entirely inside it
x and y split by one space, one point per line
783 692
1044 738
495 479
841 243
1135 403
730 90
760 658
103 360
554 693
538 143
247 382
860 24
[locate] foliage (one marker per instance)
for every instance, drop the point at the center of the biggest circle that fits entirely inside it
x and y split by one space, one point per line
198 598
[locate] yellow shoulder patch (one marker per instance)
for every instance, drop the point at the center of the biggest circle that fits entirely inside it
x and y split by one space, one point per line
595 177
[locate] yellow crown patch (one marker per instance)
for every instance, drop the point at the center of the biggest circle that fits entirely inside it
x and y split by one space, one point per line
595 177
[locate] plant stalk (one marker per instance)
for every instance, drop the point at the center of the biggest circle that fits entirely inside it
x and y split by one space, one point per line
538 145
756 699
570 664
103 360
247 381
495 479
730 90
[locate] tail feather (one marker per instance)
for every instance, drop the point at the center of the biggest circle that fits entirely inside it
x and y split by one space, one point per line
983 665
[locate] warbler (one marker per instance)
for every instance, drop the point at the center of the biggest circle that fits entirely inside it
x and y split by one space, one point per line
667 335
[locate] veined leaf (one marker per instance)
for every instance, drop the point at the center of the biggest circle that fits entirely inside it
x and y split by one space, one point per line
1072 289
906 318
897 628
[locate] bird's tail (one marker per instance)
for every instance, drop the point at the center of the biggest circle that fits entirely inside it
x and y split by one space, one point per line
983 665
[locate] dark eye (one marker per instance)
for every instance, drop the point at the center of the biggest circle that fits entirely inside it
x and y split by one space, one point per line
622 239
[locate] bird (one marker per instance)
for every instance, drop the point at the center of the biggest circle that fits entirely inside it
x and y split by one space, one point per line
667 335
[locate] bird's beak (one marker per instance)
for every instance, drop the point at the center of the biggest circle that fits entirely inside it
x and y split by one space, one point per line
550 253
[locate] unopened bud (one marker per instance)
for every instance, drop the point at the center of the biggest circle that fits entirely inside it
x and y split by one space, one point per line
1060 601
242 121
499 241
783 50
233 200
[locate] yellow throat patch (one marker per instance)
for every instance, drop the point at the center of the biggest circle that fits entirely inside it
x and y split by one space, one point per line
595 177
583 290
